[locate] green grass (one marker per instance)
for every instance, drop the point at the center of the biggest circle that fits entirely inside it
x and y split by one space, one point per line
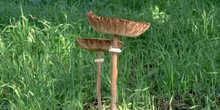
173 65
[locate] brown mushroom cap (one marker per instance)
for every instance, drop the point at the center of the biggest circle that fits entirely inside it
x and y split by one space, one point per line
95 44
117 26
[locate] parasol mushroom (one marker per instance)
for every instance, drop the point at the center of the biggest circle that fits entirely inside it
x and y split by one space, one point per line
116 27
100 45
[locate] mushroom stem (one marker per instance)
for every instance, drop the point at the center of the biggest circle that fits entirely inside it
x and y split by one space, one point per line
114 74
98 81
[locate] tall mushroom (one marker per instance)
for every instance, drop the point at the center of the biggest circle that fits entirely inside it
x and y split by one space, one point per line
116 27
100 45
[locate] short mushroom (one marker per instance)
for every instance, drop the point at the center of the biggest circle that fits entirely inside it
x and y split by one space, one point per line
116 27
100 45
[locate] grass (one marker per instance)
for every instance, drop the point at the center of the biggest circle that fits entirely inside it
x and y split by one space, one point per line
174 65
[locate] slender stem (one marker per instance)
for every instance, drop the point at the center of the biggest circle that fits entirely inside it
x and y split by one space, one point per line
98 82
114 74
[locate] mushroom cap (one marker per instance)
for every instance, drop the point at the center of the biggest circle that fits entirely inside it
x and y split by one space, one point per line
96 44
117 26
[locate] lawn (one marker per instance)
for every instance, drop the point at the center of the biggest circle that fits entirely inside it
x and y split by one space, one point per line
174 65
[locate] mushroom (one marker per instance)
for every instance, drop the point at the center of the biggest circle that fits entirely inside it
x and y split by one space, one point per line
99 45
116 27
